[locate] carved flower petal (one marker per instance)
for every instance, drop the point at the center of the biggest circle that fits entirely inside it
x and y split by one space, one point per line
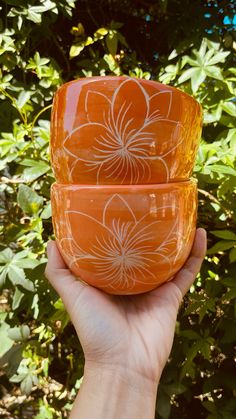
159 228
83 141
117 205
165 134
129 107
97 106
92 270
126 169
95 250
70 250
84 230
160 105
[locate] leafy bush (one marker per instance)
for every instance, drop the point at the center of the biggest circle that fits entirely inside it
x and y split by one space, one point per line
42 45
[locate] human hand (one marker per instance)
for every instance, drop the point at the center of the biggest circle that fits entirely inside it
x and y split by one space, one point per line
125 333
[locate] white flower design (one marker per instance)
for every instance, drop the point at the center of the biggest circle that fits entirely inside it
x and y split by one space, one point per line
125 135
124 252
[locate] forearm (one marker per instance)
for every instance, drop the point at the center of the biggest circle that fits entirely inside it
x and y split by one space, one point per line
110 394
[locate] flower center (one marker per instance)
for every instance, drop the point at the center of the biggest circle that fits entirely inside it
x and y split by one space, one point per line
127 258
123 151
121 257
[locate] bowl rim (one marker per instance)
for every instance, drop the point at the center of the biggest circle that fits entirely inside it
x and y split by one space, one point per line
123 77
170 185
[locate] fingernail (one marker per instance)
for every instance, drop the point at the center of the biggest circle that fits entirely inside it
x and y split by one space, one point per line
204 232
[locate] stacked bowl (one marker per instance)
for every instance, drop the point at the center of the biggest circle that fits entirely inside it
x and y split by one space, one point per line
124 206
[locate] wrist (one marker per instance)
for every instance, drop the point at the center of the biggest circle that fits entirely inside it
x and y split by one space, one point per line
109 392
132 380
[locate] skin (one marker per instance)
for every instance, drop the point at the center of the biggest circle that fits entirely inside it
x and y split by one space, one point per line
126 339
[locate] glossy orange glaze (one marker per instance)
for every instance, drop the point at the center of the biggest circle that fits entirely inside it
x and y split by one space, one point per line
125 239
122 130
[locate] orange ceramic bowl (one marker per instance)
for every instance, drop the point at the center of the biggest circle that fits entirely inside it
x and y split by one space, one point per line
125 239
122 130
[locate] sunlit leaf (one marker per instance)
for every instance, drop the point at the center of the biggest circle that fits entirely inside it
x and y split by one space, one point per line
23 99
6 342
224 234
229 107
221 246
29 201
112 42
34 170
17 297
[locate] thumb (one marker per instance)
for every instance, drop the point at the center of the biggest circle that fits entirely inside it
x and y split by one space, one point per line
63 281
186 276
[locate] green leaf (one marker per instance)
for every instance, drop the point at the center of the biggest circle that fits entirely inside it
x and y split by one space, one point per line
34 16
12 358
229 282
34 170
23 99
218 168
27 384
76 49
163 405
197 79
61 314
205 348
3 275
23 260
17 378
190 355
26 263
219 57
232 70
112 42
46 212
17 297
17 277
19 333
45 412
173 55
6 342
190 334
6 255
29 201
202 50
188 60
35 306
232 255
46 5
174 388
231 294
209 406
221 246
229 107
102 31
213 72
112 64
186 75
224 234
197 76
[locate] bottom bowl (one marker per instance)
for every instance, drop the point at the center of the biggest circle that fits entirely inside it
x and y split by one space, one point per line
125 239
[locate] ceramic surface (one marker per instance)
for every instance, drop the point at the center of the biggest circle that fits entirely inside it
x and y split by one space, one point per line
122 130
125 239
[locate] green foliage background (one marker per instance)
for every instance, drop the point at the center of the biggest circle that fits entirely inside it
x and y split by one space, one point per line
42 45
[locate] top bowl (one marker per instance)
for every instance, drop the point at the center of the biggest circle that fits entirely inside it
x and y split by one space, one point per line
122 130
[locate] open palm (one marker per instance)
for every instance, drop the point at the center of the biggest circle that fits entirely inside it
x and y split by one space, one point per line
125 331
